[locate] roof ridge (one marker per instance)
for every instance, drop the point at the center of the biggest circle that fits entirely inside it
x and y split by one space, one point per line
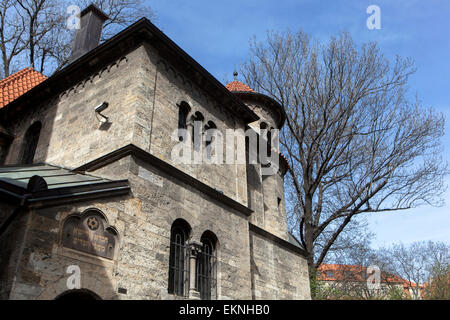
15 75
237 85
18 83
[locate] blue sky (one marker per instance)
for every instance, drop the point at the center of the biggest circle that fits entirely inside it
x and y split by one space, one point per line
216 34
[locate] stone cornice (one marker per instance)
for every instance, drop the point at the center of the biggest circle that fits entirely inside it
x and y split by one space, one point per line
281 242
166 168
116 48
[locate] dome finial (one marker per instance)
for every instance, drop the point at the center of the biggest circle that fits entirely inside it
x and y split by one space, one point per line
235 74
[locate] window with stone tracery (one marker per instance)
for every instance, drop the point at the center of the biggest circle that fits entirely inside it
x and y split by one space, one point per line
197 130
183 111
179 259
206 269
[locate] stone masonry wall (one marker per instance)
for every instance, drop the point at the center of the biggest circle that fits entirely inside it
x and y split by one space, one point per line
10 247
160 200
266 115
143 221
143 91
274 206
277 273
255 194
266 192
71 135
266 199
43 263
173 87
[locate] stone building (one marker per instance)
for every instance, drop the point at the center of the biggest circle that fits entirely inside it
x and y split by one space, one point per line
92 204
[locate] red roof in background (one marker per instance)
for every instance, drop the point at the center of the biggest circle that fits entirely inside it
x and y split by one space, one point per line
238 86
18 83
336 272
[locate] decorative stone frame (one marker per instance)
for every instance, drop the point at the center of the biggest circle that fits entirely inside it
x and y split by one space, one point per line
99 231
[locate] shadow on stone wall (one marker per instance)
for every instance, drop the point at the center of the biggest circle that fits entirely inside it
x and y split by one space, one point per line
22 118
37 264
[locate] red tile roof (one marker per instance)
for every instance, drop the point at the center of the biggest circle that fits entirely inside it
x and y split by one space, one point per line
18 83
238 86
337 272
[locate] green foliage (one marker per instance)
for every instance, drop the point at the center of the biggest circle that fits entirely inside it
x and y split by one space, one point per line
438 287
314 284
396 293
319 290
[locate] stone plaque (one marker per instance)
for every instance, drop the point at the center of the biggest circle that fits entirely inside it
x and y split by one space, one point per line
88 234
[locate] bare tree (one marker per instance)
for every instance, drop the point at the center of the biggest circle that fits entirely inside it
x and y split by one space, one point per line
34 32
41 19
349 259
438 285
422 264
420 270
11 31
355 142
121 13
350 264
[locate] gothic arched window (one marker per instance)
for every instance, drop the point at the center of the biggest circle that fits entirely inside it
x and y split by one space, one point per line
197 130
262 126
78 294
209 138
30 143
207 267
183 111
178 260
269 140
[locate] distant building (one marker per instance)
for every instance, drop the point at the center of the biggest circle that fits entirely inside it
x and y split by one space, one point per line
353 279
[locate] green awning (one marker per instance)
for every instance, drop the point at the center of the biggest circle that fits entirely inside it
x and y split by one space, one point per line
60 183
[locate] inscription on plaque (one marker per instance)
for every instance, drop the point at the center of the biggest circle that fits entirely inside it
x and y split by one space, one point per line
88 234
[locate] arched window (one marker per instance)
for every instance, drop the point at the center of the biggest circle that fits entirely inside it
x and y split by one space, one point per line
263 126
209 138
78 294
179 259
207 267
197 134
183 111
30 143
269 141
265 134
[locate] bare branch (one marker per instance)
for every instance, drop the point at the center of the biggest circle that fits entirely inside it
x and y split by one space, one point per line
354 142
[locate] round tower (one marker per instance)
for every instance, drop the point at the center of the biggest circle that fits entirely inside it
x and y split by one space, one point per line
265 192
271 113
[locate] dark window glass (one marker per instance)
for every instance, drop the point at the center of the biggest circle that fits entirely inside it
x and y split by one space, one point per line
178 260
263 125
183 112
207 269
269 141
265 134
197 141
209 139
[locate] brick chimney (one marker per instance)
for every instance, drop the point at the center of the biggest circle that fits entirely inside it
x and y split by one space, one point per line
88 36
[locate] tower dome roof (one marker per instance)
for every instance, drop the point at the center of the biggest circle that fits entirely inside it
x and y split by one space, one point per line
244 92
238 86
